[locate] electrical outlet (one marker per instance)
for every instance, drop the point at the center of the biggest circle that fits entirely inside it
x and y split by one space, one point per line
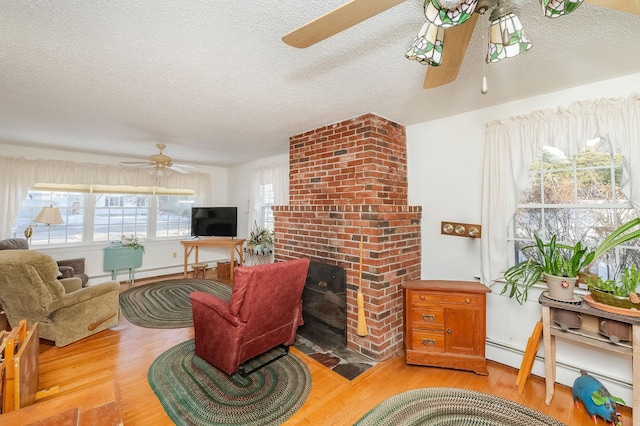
175 254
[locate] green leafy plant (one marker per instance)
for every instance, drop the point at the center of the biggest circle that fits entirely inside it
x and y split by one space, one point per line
619 236
562 260
545 258
626 285
258 236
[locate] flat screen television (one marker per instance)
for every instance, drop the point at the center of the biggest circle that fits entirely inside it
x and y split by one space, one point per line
214 221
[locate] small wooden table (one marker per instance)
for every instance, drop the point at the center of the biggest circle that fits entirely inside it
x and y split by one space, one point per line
118 257
233 244
588 334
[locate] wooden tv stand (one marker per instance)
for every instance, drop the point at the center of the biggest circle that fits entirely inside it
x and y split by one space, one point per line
233 244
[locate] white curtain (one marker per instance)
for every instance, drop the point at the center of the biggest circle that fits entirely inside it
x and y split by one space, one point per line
513 144
18 175
278 176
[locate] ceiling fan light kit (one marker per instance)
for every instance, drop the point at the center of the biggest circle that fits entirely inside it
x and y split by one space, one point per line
427 46
439 14
555 8
160 170
506 36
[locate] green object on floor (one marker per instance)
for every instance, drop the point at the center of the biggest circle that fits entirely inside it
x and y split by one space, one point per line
450 406
194 392
166 304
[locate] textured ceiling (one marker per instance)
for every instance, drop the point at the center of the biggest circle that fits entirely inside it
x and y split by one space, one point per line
214 81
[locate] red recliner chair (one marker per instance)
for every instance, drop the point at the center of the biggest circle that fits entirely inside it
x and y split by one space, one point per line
264 311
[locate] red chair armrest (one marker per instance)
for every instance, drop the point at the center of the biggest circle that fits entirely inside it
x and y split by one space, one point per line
215 304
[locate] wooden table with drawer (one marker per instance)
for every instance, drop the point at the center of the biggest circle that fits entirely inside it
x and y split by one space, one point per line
445 324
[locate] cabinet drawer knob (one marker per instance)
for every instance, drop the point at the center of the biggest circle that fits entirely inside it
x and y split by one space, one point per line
422 297
448 331
427 317
467 301
428 342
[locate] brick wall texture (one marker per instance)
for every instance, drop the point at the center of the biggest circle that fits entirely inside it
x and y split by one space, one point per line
348 188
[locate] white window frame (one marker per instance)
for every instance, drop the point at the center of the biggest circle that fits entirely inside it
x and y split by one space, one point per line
607 268
260 201
512 144
266 207
90 194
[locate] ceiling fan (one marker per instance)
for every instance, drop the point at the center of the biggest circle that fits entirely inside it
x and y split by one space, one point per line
160 164
454 18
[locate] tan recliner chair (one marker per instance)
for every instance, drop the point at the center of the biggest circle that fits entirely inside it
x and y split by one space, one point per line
29 289
68 268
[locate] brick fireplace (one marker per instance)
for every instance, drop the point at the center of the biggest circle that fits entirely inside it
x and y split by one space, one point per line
349 179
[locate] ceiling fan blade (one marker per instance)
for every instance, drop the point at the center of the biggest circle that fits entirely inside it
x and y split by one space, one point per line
329 24
456 41
137 163
185 166
182 168
629 6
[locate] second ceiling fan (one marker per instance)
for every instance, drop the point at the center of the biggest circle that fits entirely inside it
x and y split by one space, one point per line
455 19
160 164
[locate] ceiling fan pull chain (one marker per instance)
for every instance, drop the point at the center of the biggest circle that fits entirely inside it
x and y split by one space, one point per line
484 88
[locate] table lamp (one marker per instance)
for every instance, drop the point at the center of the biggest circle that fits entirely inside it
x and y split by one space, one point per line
48 215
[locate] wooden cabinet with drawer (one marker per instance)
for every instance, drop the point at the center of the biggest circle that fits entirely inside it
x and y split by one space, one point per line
445 324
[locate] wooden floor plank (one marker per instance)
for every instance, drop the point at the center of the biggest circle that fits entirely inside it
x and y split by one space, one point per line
124 353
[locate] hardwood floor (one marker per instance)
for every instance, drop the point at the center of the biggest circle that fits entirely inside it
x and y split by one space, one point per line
125 352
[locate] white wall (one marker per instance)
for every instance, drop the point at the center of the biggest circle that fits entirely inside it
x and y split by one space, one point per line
240 187
161 256
445 161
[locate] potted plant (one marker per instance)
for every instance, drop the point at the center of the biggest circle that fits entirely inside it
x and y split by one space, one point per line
259 239
621 293
131 241
558 263
548 259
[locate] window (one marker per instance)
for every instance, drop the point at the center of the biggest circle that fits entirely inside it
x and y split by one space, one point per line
577 199
71 207
95 214
173 215
120 214
267 196
269 187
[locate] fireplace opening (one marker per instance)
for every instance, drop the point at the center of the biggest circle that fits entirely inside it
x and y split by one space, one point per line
324 306
324 334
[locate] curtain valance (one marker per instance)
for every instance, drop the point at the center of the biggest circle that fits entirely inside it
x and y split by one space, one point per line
18 175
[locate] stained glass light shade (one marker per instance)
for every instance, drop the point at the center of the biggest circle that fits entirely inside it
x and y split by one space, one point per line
555 8
450 12
427 46
506 38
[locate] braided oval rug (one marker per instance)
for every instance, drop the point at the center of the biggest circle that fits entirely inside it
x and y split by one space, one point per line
449 406
193 392
166 304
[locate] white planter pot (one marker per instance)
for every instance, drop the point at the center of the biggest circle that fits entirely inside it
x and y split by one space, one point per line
561 288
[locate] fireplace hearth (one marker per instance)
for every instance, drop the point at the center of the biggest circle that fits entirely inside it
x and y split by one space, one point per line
323 336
